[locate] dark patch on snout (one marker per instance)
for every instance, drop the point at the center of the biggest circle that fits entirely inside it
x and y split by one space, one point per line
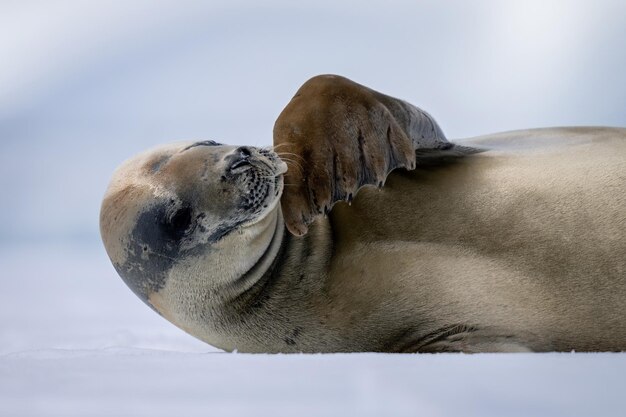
156 244
155 247
152 251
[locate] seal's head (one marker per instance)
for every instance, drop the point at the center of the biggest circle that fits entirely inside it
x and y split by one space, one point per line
184 222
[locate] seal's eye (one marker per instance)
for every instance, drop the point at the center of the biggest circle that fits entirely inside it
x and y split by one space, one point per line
179 223
181 219
239 164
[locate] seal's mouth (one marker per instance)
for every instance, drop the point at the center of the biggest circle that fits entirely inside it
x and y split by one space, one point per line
265 196
279 177
273 161
279 172
274 165
261 175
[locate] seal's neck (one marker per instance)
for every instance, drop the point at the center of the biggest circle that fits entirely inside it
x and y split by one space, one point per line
263 262
203 284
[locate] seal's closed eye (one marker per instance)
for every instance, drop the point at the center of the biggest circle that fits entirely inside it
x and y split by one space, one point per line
202 143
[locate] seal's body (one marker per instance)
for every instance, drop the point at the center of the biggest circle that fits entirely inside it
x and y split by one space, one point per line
519 247
525 249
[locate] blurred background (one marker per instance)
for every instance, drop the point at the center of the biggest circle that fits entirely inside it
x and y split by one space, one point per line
85 85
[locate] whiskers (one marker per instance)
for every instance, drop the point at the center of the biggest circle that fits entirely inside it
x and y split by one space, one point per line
290 155
289 158
292 159
275 147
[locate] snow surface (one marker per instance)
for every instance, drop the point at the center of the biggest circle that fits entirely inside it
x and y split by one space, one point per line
115 382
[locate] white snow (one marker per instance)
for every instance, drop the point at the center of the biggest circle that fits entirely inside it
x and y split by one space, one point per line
123 381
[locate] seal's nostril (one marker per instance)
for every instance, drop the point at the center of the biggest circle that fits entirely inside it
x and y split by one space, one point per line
244 151
241 158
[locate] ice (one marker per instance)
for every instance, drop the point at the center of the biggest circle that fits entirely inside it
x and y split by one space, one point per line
123 381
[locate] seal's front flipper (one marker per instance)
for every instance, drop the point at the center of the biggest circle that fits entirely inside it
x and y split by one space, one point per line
336 136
